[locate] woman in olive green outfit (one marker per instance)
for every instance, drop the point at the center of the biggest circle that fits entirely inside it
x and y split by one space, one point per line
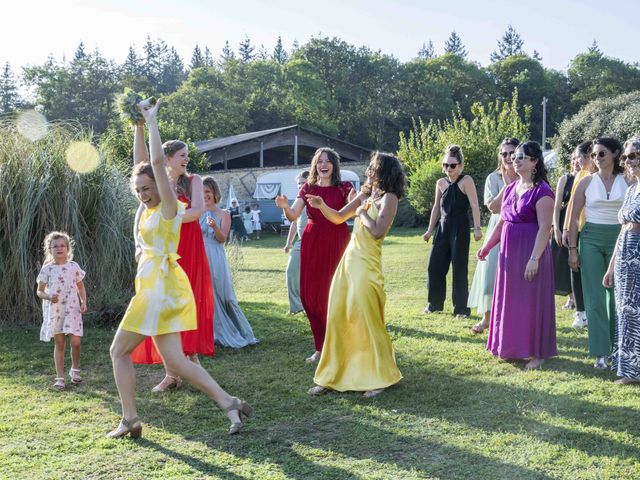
601 195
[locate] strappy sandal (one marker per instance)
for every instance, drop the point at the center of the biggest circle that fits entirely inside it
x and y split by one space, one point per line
373 393
169 382
59 383
313 358
317 390
479 327
243 408
126 427
74 373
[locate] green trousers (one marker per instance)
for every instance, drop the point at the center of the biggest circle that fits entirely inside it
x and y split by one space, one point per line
596 246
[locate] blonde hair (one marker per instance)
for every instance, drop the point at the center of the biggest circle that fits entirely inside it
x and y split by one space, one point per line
48 240
211 184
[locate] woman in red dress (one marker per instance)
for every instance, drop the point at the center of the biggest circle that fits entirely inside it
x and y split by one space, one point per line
323 242
193 258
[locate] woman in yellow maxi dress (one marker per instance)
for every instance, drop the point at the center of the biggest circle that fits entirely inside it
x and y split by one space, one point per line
357 354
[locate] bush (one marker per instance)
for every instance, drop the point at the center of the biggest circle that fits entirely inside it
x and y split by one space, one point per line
40 193
421 152
617 117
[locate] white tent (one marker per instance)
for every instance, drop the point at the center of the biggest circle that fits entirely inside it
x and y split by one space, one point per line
283 182
550 159
231 196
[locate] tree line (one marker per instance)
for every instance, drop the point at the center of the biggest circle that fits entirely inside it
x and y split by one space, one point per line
355 93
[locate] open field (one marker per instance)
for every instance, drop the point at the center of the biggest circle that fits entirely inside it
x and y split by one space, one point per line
457 414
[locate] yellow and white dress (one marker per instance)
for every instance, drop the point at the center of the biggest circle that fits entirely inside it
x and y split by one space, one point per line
163 302
357 354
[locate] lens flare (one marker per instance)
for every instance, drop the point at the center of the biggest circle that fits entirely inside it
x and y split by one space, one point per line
82 157
32 125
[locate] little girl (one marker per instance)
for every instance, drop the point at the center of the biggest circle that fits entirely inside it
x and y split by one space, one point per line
247 221
59 284
255 218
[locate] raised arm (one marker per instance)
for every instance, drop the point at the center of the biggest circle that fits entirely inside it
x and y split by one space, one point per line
168 200
197 208
291 212
435 213
337 216
379 227
140 153
222 232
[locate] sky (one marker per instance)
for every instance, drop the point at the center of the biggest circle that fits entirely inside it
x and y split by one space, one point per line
35 29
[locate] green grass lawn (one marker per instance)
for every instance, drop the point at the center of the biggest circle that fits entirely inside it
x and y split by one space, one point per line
458 413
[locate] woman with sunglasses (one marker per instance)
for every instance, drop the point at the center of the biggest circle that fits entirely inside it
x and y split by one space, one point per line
624 274
523 324
454 195
481 293
584 166
600 195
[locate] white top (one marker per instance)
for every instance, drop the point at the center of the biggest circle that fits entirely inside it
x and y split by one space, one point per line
602 207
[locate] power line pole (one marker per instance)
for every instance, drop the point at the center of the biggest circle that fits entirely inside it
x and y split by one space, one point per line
544 123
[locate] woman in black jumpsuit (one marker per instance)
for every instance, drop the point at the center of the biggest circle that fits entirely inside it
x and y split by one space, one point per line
450 220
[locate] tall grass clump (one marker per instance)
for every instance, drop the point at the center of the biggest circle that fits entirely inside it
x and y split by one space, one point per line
40 193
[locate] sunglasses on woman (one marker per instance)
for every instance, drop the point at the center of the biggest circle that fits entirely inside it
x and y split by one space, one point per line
450 166
519 156
599 154
632 156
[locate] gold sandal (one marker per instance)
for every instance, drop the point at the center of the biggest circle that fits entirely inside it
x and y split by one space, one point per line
243 408
126 427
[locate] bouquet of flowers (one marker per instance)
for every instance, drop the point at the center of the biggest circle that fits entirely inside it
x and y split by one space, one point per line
130 103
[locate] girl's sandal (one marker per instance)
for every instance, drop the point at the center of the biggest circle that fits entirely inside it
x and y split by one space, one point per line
243 408
59 383
74 373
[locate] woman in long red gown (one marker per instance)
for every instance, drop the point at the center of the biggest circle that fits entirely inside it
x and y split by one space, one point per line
323 242
193 259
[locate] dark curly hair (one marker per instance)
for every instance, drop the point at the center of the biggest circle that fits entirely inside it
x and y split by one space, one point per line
532 149
389 173
615 147
333 157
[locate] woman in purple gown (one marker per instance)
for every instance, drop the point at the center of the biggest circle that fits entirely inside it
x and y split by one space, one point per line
523 324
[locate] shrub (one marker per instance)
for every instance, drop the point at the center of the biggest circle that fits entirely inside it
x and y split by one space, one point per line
40 193
421 151
618 117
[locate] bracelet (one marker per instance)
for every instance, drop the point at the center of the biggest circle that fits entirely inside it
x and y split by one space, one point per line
477 228
572 248
533 258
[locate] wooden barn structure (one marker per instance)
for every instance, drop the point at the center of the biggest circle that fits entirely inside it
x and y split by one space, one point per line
277 147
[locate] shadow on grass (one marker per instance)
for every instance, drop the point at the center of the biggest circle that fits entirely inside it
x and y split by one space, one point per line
298 433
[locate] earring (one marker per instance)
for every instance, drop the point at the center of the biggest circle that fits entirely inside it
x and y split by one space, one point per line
534 171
